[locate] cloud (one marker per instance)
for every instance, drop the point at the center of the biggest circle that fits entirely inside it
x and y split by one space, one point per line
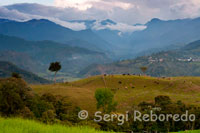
118 26
34 11
19 16
186 8
79 4
87 4
126 12
72 25
12 14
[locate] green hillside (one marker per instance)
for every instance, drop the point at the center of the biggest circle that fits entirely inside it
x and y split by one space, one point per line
129 90
17 125
6 70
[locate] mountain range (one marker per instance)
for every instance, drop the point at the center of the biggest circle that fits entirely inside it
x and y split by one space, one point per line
119 40
39 30
33 44
160 34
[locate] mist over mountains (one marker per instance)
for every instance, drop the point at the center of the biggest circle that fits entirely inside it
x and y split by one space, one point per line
32 44
158 34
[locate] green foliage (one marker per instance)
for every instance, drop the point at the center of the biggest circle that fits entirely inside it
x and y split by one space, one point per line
17 99
162 100
104 99
49 98
55 66
164 105
26 113
49 117
167 91
15 75
13 93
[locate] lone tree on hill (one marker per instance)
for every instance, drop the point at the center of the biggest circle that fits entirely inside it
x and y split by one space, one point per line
143 69
55 67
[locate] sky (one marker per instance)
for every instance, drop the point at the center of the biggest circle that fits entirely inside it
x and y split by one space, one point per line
124 12
9 2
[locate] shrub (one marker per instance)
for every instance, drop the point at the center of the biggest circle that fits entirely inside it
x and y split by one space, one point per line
48 117
104 99
13 94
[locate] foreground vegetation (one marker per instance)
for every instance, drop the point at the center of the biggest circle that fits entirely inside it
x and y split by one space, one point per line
111 94
17 125
194 131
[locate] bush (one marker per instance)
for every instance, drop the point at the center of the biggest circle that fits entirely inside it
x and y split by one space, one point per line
48 117
26 113
104 99
13 94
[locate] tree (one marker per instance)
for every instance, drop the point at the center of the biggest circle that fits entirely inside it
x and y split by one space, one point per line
16 75
55 67
13 93
162 100
143 69
104 99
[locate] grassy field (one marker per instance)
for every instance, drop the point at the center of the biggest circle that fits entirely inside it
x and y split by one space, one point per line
129 90
195 131
17 125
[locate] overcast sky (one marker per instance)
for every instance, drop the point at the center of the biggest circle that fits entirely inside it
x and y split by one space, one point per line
125 11
8 2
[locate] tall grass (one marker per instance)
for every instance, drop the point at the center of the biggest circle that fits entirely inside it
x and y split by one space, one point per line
195 131
17 125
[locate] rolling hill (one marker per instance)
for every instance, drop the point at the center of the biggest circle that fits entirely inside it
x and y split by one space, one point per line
129 90
6 70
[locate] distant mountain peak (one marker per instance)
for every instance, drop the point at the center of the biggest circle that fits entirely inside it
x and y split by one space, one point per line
154 21
138 24
108 21
39 20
